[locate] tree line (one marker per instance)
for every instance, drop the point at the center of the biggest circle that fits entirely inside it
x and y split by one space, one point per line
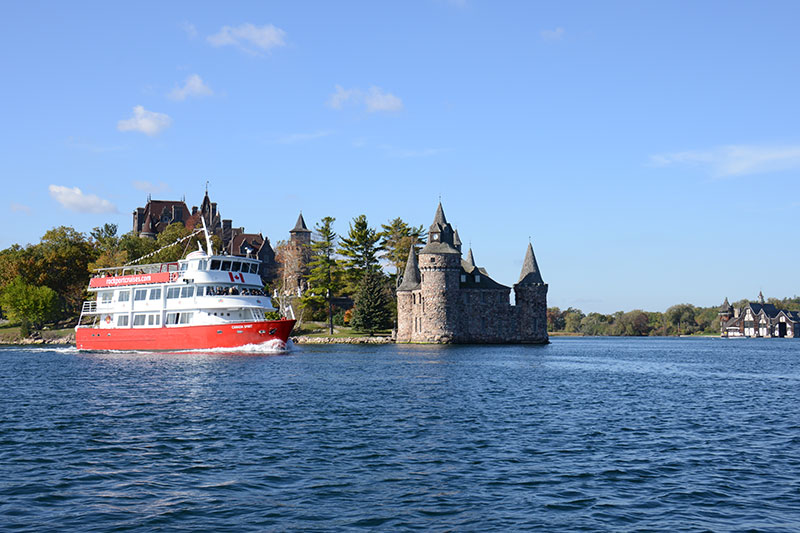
681 319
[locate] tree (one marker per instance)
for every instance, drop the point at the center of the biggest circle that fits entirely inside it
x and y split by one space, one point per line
396 240
323 280
28 304
572 320
371 311
360 249
107 246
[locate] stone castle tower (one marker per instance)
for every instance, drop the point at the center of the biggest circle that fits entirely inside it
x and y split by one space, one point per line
446 299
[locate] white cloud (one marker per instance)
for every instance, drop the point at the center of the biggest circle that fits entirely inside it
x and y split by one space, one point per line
20 208
189 28
553 35
375 99
378 100
249 38
145 121
194 86
75 200
147 186
302 137
735 160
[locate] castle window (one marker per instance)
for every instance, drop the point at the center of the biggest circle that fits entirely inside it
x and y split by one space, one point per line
463 278
477 278
433 259
434 237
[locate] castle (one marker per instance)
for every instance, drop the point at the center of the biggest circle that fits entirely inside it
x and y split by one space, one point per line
152 219
446 299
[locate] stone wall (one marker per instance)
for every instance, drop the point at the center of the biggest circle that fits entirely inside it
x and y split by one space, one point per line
439 297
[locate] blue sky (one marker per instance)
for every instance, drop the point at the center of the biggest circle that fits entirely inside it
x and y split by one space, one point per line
649 150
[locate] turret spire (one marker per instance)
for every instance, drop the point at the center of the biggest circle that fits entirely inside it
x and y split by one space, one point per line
411 278
530 274
470 260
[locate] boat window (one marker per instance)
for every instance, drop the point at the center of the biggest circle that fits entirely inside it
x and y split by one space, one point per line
122 320
187 292
186 318
155 294
226 265
138 320
105 297
202 265
184 266
124 296
235 266
153 320
253 268
172 318
214 264
173 292
139 295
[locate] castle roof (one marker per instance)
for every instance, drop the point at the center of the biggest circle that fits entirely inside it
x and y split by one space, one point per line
300 226
468 264
456 239
530 274
240 242
725 305
411 277
440 235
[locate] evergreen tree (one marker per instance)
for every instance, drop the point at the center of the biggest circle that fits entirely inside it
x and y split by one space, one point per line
323 278
396 239
360 249
371 312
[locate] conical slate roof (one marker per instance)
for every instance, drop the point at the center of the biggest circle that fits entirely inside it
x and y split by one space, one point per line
411 278
725 305
456 239
530 274
470 258
300 226
438 218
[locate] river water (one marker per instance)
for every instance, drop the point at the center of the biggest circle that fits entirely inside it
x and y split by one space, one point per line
584 434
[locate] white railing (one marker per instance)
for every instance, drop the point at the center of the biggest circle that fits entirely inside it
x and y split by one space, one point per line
89 307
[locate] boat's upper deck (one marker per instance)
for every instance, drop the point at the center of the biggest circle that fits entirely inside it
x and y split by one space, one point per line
198 267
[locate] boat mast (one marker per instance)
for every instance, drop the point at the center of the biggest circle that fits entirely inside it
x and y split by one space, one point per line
209 249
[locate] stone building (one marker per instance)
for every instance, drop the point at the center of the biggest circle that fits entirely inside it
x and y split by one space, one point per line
758 320
156 215
446 299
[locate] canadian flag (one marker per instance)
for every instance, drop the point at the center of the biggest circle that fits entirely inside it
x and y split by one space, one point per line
236 277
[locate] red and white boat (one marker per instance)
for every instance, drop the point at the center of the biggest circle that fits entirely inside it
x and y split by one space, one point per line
204 301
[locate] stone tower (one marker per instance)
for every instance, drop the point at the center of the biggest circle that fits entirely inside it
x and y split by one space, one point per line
300 234
439 266
530 296
407 319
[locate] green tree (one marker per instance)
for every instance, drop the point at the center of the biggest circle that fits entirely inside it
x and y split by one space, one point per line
28 304
360 251
107 248
682 319
371 312
396 239
572 320
323 278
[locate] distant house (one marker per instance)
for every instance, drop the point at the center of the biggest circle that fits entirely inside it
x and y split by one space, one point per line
758 320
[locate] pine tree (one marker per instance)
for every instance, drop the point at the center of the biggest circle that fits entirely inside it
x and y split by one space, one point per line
360 249
371 312
396 239
323 278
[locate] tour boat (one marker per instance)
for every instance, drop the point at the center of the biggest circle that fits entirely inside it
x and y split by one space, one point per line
204 301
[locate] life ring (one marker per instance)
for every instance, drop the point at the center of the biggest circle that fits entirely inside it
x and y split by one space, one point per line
173 276
108 319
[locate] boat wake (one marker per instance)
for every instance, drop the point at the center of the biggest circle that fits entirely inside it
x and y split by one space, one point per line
270 347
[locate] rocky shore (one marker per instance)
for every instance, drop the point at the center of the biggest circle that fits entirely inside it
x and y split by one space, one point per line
38 339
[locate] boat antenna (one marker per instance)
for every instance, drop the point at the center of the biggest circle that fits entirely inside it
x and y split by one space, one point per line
208 237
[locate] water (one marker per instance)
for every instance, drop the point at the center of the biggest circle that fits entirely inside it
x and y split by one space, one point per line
584 434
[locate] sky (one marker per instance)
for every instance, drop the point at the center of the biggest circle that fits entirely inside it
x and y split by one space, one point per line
650 151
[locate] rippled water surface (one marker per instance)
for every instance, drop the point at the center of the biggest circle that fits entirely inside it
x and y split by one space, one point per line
583 434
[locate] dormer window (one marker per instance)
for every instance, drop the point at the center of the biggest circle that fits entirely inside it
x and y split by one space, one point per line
435 236
463 278
477 278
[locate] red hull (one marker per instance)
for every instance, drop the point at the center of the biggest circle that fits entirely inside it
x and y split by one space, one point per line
183 337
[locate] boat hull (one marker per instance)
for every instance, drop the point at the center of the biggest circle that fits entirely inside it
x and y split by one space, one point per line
183 337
